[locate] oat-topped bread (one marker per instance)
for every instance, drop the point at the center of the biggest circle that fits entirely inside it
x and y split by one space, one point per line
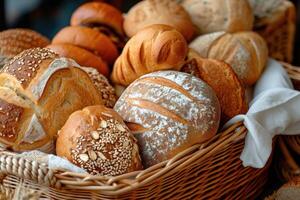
38 92
14 41
169 111
97 140
157 47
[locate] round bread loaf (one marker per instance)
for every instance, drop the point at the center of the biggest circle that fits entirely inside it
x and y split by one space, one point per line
150 12
245 52
38 92
81 56
168 112
88 39
221 77
220 15
109 96
14 41
157 47
97 140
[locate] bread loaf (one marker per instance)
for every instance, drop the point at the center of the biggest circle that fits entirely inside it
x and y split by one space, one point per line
97 140
157 47
222 79
169 111
149 12
245 52
38 92
220 15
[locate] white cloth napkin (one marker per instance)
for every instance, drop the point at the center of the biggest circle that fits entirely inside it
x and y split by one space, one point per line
274 110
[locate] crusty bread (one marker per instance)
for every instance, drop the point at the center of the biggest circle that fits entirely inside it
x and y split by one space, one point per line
88 39
157 47
14 41
245 52
38 91
150 12
81 56
169 111
220 15
223 80
97 140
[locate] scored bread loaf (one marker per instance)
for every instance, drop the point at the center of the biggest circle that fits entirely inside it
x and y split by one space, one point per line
149 12
38 92
157 47
245 52
169 111
220 15
97 140
223 80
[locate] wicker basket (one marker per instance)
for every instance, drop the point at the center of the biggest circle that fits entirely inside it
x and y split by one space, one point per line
279 31
212 170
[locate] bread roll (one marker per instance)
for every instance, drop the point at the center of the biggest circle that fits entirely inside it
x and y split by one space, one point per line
97 140
88 39
168 112
150 12
220 15
14 41
107 92
245 52
38 92
221 77
81 56
157 47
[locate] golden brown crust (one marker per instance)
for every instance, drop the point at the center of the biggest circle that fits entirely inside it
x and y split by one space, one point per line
89 39
98 13
223 80
81 56
97 140
14 41
157 47
151 12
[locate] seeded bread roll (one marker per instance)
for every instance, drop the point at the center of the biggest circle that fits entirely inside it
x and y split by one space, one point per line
157 47
220 15
107 92
97 140
245 52
168 112
221 77
38 92
14 41
149 12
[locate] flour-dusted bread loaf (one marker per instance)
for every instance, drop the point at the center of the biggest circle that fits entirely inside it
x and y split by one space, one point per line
150 12
157 47
14 41
97 140
245 52
222 79
265 8
38 92
220 15
169 111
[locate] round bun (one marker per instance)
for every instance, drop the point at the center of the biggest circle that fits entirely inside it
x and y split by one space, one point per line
97 13
14 41
97 140
168 112
157 47
107 92
245 52
81 56
221 77
88 39
220 15
166 12
38 92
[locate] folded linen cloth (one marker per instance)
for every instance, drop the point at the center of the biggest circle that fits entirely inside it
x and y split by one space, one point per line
274 110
